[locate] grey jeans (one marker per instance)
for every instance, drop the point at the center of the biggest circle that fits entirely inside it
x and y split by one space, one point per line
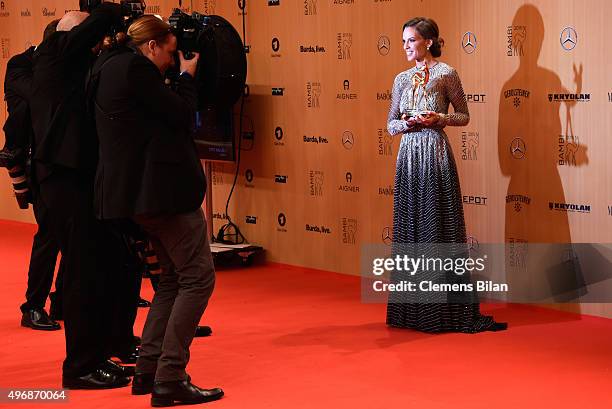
185 286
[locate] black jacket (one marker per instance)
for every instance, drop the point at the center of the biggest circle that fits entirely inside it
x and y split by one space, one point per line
17 90
147 158
62 135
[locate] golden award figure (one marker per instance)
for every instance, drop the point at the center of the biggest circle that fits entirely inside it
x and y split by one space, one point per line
418 102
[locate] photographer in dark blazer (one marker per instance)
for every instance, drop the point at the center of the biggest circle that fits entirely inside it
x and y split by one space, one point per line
64 162
19 134
149 172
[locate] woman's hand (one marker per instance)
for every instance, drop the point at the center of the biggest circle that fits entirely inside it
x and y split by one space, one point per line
427 118
189 65
410 120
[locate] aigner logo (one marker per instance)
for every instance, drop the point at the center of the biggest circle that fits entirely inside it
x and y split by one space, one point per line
516 40
569 207
310 7
469 145
251 219
348 140
518 200
383 45
469 42
348 187
313 92
516 94
476 98
385 142
518 148
475 200
278 135
316 183
346 94
3 12
568 146
349 230
568 38
344 41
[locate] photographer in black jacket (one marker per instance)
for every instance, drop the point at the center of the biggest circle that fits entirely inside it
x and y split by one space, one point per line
149 171
19 134
64 161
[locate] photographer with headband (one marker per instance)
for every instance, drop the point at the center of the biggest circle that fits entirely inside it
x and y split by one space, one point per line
149 172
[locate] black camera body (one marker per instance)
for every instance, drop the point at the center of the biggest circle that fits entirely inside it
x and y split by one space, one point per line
130 9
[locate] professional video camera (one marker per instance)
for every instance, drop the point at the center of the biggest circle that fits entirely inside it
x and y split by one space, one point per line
221 73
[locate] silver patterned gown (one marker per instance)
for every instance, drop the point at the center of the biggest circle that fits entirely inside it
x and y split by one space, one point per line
427 198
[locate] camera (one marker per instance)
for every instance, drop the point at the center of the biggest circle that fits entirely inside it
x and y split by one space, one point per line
130 9
221 72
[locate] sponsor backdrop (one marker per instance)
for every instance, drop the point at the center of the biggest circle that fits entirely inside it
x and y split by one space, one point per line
316 178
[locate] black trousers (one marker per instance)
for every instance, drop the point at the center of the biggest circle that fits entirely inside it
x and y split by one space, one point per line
68 198
42 263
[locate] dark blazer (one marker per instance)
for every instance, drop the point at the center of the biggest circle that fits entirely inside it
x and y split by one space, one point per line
62 136
17 89
147 158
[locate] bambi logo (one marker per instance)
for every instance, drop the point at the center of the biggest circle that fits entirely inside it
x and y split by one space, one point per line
209 6
518 148
568 146
349 229
516 39
316 183
469 42
313 92
469 145
384 45
568 38
344 40
385 142
387 236
348 140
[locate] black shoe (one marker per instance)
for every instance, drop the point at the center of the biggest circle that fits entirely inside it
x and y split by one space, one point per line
129 357
117 369
142 384
498 326
98 379
142 303
38 318
203 331
183 393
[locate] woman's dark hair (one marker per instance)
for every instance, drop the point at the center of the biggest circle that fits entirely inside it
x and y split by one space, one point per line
428 29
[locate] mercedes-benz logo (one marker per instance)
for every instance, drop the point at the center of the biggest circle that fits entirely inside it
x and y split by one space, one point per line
282 220
386 236
568 38
384 45
348 140
518 148
469 42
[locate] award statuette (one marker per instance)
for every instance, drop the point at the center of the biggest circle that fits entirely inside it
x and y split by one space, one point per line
419 93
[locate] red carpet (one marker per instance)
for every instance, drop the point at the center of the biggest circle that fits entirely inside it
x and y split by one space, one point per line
294 338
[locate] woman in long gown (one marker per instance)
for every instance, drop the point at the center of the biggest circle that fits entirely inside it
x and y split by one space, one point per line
427 197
